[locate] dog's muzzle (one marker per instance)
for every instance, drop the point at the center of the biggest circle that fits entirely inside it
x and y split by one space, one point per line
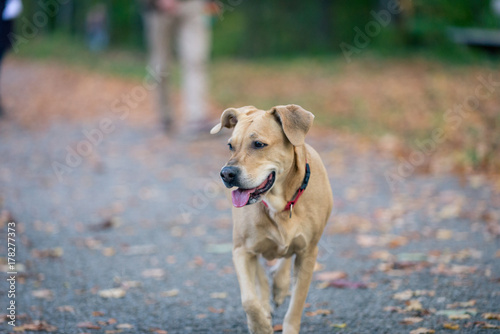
229 175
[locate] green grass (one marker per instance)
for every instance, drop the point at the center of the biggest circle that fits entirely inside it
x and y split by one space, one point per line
72 51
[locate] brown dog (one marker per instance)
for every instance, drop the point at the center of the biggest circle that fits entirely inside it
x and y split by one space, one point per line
281 205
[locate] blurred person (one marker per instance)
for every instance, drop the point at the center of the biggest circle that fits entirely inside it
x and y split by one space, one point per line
187 22
10 9
97 28
495 6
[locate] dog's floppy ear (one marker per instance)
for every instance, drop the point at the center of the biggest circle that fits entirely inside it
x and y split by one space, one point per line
228 119
295 121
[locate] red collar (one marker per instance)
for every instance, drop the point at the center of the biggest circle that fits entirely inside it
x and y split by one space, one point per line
300 191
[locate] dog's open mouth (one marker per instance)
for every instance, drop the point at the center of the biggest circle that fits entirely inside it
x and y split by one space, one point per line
242 197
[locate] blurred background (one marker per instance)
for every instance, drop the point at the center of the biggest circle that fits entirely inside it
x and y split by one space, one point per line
120 226
245 29
360 67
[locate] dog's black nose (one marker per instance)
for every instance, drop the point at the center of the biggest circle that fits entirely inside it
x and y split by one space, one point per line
229 174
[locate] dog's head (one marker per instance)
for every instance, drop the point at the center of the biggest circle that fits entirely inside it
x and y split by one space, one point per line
262 148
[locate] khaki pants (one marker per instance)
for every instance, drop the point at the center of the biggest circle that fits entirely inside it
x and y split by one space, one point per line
190 25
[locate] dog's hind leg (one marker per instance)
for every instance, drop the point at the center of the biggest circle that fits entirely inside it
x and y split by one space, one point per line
281 280
302 275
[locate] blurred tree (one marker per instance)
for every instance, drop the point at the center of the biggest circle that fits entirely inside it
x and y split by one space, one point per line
293 27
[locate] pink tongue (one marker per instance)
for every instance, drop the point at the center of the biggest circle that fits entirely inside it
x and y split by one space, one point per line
241 196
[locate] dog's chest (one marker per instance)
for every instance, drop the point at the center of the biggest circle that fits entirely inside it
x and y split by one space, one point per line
272 247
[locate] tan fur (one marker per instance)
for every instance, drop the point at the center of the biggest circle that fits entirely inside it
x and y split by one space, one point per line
269 231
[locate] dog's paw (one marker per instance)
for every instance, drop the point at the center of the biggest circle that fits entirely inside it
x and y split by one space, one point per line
259 329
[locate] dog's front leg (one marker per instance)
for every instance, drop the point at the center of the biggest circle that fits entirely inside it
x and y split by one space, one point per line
259 320
302 275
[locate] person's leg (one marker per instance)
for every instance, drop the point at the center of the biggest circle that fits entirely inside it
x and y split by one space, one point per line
158 27
5 45
194 47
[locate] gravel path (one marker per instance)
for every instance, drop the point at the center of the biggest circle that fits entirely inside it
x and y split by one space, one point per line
135 237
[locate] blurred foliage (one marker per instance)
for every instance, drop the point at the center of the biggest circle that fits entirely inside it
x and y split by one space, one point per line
343 96
295 27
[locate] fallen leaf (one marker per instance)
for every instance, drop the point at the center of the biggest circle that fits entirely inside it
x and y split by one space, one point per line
487 325
330 275
131 284
318 267
451 325
409 265
430 293
344 325
125 326
42 294
490 316
153 273
198 260
404 295
397 241
450 211
469 303
382 255
108 251
201 316
37 326
323 285
414 305
318 312
278 328
367 240
87 325
66 308
51 253
158 331
170 293
345 284
422 330
92 243
408 294
97 314
459 316
411 320
218 295
112 293
443 234
442 269
215 310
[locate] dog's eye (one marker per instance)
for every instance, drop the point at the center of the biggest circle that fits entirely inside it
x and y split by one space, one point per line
230 146
258 144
